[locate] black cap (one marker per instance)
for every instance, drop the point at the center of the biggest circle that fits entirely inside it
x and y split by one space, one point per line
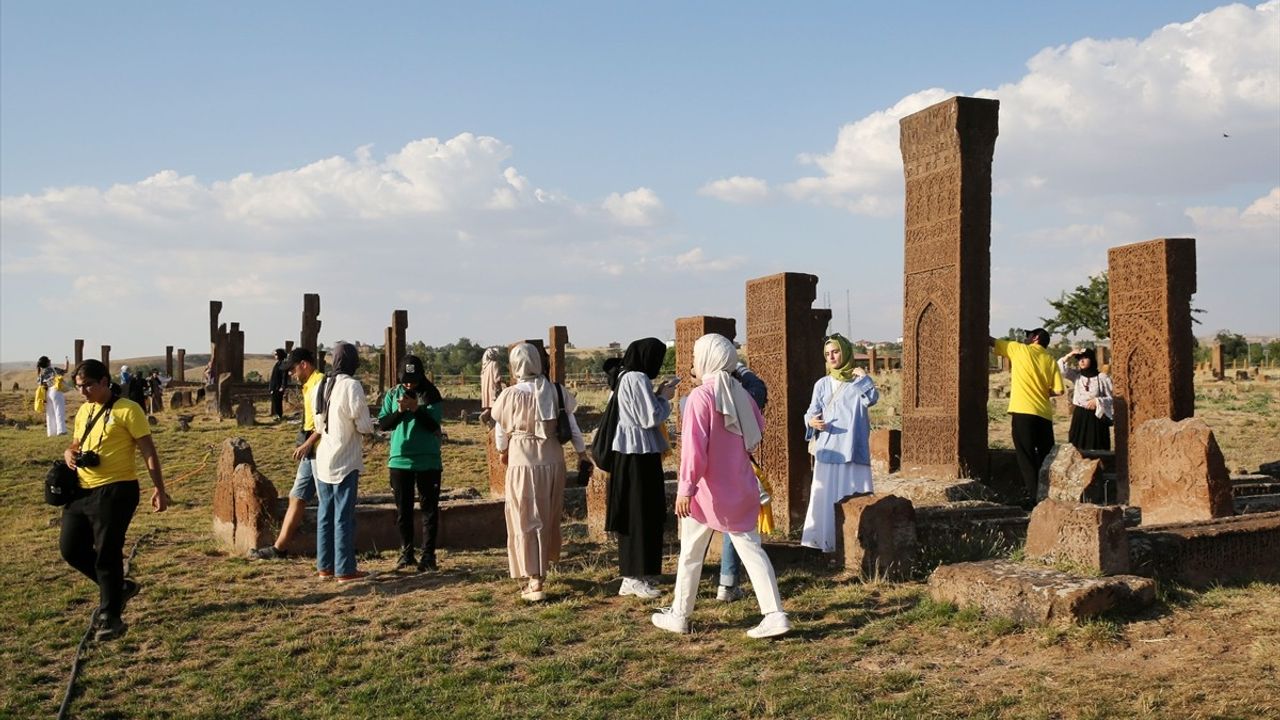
297 355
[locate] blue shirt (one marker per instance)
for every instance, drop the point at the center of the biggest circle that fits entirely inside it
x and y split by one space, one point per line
640 412
848 433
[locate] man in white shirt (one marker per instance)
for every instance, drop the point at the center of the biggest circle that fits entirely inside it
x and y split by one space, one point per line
342 417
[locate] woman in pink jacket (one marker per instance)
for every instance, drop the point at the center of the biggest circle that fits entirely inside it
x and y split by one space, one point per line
720 426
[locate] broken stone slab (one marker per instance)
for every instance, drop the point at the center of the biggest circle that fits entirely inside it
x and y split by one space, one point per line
1089 536
1177 472
1236 549
255 499
1067 475
886 451
245 414
876 536
597 488
1251 504
924 491
968 530
1038 595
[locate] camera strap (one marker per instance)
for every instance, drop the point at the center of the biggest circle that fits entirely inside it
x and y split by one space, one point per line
88 428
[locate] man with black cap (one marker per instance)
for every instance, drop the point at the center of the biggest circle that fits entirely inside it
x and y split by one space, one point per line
412 412
279 378
1034 378
301 364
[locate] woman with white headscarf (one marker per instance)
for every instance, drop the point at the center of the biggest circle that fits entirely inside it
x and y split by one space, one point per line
721 426
490 378
525 432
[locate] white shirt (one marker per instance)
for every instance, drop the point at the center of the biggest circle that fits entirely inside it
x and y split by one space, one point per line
347 418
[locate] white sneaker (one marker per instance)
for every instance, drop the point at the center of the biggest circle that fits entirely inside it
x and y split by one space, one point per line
639 587
773 625
670 622
729 593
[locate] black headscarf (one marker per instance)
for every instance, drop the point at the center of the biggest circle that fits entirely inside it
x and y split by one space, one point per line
645 356
1092 370
345 361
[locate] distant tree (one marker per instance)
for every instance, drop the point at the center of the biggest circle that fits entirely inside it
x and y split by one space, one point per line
669 361
253 376
1234 346
1085 308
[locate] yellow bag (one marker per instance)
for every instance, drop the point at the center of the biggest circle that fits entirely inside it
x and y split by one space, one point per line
765 522
39 401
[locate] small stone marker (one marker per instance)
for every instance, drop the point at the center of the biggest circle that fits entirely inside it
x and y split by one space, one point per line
1177 473
245 413
886 450
1068 475
876 536
1090 536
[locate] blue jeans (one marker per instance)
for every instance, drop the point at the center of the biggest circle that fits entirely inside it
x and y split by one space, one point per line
336 526
729 568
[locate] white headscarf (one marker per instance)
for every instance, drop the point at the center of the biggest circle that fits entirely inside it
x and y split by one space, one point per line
526 365
490 378
714 358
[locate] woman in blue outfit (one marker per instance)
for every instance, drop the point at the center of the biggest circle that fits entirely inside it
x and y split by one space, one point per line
837 421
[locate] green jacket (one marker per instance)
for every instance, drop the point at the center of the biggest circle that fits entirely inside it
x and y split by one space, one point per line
415 437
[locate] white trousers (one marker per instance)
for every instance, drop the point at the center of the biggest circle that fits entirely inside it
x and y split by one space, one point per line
55 413
832 482
694 538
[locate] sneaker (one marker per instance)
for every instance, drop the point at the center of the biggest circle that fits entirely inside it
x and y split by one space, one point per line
406 559
773 625
670 621
639 587
353 577
268 553
324 574
427 563
130 591
109 627
729 593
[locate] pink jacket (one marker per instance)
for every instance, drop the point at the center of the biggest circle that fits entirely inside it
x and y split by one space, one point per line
715 470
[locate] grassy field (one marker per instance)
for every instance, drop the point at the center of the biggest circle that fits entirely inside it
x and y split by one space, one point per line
214 635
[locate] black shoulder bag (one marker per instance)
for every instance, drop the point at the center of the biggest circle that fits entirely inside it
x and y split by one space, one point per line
62 483
564 431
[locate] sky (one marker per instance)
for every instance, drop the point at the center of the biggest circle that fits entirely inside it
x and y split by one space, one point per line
497 168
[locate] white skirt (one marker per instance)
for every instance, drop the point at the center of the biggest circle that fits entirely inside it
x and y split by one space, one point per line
831 483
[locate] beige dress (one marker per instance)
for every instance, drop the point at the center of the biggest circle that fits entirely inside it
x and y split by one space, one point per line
535 484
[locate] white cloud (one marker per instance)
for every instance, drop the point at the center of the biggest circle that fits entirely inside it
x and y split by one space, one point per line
738 190
696 260
638 208
1259 223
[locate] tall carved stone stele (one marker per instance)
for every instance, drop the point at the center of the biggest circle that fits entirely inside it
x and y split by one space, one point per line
235 360
688 330
180 370
79 351
310 337
106 356
168 360
784 347
394 349
1151 342
557 338
946 155
1217 365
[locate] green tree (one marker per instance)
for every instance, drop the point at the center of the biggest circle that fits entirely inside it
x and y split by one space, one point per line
1085 308
1234 346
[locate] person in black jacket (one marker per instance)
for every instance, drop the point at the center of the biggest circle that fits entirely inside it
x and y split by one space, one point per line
279 379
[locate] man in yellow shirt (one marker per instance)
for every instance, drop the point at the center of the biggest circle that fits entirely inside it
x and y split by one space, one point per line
301 364
109 432
1034 379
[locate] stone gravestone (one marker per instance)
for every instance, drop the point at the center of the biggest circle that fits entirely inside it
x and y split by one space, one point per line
180 371
784 347
395 347
557 338
1068 476
168 361
1090 537
688 330
310 336
235 340
1215 362
1152 367
243 499
106 356
1177 472
871 360
79 352
886 450
946 153
245 413
876 536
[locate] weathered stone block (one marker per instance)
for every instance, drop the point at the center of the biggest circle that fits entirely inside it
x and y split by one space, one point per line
923 491
245 413
597 503
472 524
1090 536
886 450
1067 475
1037 595
1177 473
255 500
876 536
1237 549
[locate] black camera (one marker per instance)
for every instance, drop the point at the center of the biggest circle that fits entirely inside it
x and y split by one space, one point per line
88 458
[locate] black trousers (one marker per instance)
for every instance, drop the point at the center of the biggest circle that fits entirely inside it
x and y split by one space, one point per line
92 538
277 403
636 487
427 483
1032 441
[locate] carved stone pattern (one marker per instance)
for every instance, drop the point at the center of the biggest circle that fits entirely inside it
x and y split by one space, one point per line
688 330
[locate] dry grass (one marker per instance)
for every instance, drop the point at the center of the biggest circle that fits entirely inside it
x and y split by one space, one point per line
218 636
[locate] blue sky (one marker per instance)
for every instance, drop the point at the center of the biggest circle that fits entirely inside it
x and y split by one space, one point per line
498 168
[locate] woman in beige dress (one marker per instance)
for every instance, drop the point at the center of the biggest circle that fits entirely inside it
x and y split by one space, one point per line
525 433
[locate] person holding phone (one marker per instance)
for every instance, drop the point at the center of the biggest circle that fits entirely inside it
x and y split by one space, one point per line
412 411
839 424
630 444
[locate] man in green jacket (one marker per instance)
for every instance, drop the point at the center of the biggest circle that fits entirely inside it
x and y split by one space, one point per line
412 412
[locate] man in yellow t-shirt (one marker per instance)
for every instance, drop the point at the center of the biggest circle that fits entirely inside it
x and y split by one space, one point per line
301 365
1034 379
109 433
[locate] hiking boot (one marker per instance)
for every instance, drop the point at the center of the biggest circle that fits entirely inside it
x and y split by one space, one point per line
670 621
108 627
427 563
729 593
406 559
269 552
773 625
639 587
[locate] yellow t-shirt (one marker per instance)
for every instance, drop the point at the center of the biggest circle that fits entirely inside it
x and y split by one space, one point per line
114 438
1035 378
309 400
